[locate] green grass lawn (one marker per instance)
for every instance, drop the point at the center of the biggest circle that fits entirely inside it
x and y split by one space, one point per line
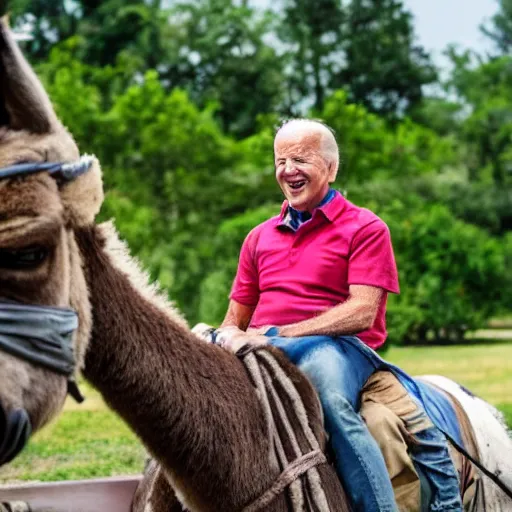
86 441
89 441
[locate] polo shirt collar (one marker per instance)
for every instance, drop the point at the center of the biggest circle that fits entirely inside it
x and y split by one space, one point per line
330 207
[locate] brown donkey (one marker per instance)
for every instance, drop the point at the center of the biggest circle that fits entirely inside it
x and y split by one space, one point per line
192 404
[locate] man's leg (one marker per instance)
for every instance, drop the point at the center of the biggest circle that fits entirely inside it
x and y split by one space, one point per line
339 373
393 440
428 447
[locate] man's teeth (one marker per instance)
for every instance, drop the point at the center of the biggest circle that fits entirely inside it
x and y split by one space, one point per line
297 184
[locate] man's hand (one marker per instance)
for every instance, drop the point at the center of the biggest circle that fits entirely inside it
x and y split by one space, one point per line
232 338
204 331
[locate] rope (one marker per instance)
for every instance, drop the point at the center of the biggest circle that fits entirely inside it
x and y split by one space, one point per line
303 464
294 470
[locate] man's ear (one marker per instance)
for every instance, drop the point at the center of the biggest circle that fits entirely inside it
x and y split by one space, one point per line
333 171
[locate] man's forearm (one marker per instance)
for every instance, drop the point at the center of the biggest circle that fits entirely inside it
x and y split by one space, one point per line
351 317
237 315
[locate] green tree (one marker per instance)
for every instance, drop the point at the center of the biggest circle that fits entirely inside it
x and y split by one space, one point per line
218 53
438 113
215 287
446 288
108 28
385 68
499 30
48 22
487 129
136 28
313 30
371 149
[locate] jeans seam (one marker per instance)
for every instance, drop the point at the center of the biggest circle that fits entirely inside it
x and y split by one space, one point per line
372 480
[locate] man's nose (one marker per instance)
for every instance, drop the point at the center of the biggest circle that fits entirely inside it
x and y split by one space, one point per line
289 166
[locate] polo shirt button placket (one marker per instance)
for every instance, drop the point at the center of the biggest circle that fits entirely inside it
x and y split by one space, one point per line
293 256
294 251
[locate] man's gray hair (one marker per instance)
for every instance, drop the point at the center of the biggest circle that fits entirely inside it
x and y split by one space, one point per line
329 146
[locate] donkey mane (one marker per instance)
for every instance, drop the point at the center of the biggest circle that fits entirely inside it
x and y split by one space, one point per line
119 252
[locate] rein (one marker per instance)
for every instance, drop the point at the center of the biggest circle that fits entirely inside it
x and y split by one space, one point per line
265 372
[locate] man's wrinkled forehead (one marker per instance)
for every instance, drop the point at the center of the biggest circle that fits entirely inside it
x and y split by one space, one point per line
296 143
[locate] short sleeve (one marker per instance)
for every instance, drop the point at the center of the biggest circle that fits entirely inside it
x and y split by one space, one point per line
371 260
245 289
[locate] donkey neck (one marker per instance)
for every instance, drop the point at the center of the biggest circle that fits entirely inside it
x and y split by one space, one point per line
190 403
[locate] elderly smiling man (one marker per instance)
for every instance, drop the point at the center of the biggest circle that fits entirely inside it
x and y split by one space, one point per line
312 278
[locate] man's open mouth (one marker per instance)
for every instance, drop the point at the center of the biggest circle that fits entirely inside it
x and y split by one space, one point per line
296 185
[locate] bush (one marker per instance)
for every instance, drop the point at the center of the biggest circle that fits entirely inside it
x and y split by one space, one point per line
451 275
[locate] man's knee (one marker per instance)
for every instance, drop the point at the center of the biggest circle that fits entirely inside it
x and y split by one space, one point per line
389 432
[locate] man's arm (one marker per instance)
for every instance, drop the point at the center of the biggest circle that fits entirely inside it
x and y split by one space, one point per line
353 316
237 315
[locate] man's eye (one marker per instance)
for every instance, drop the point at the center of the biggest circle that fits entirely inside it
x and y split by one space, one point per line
27 258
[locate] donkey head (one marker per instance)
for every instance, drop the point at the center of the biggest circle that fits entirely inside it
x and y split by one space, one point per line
40 263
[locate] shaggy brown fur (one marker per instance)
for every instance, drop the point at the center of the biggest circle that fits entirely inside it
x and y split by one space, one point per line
192 404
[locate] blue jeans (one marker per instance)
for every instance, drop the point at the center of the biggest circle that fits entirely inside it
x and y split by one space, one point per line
339 368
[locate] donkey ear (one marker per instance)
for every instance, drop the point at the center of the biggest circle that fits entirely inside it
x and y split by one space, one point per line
26 105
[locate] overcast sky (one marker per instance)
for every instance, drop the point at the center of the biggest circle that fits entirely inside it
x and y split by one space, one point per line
441 22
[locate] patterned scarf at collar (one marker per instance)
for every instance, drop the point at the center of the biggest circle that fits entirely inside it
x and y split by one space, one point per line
294 219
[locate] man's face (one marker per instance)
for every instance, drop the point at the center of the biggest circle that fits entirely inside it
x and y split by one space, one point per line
301 171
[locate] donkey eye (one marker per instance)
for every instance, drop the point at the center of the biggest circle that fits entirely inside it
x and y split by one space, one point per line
26 258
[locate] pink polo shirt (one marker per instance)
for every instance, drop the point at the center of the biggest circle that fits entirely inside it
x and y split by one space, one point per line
292 276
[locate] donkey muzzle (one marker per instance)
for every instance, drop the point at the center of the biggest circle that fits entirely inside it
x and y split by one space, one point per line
15 429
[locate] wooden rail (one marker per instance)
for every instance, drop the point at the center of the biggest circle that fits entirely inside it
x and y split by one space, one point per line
99 495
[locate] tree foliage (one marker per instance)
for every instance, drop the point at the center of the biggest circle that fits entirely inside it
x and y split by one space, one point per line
313 31
217 51
385 67
500 28
180 102
487 129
